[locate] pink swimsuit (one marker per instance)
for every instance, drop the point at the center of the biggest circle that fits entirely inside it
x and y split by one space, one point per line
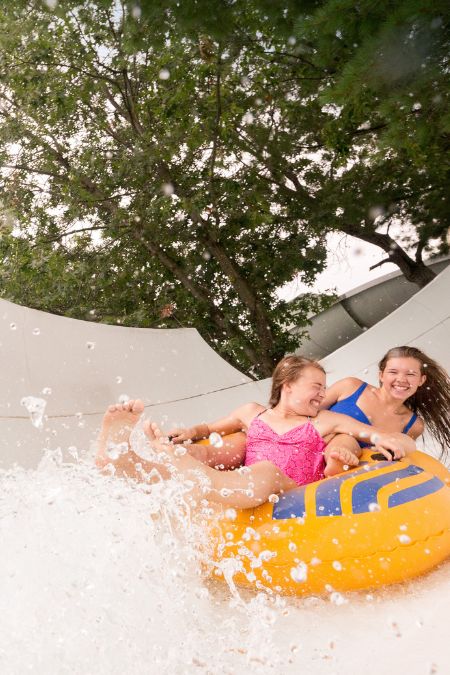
298 452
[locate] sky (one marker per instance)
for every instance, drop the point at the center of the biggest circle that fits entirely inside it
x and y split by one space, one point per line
348 267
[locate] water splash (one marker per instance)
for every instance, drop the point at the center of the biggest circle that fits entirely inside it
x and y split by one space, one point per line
36 408
104 571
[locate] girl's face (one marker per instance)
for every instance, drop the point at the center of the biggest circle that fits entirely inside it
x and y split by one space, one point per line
402 377
305 394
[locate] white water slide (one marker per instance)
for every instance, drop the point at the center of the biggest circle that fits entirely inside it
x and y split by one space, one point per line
76 368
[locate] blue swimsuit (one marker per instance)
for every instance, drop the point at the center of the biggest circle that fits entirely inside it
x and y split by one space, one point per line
349 406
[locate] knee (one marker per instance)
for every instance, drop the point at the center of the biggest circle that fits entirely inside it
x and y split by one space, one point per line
265 471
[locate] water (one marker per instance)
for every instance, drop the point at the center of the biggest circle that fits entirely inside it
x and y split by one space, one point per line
101 576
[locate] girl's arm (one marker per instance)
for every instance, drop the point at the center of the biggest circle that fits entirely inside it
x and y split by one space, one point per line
339 390
238 420
400 444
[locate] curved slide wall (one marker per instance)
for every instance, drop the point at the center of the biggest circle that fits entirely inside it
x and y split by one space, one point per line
359 310
77 368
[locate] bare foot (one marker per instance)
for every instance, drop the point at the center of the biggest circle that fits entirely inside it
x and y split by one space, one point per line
340 460
118 422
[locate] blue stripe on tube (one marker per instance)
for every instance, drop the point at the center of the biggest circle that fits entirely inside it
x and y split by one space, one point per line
366 492
415 492
328 493
290 505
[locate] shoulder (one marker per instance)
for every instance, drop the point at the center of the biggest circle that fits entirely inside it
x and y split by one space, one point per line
247 412
341 389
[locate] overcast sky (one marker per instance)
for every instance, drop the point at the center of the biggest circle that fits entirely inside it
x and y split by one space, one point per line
349 261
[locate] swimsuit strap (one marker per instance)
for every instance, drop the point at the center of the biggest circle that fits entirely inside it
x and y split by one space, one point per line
410 423
356 394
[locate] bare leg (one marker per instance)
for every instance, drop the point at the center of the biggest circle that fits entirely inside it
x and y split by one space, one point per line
244 488
341 452
228 456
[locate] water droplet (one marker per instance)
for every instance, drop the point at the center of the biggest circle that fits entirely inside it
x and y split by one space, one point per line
404 539
108 154
273 499
292 40
292 547
36 331
374 438
164 74
299 573
13 326
168 189
51 4
90 345
376 212
230 514
35 408
179 451
337 565
215 439
248 118
206 255
123 398
225 492
115 450
373 506
119 379
136 12
73 451
337 598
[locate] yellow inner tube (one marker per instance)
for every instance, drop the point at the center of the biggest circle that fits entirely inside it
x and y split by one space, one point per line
380 523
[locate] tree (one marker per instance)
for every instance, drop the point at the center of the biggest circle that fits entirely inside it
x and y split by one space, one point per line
199 152
122 179
380 71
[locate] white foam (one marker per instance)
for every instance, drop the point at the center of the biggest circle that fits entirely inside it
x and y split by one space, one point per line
91 581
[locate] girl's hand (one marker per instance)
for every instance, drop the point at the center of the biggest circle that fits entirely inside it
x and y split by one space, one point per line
393 446
181 434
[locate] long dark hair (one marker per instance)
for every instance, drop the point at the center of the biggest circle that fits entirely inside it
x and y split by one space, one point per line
432 400
286 371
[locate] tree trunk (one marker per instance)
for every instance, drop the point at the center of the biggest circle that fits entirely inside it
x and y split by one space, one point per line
414 271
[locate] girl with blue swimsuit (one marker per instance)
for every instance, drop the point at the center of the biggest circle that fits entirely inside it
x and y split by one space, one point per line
413 392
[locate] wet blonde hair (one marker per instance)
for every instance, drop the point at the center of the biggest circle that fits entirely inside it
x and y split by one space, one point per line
287 371
432 399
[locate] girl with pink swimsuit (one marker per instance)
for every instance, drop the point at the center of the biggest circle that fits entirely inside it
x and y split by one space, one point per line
285 446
